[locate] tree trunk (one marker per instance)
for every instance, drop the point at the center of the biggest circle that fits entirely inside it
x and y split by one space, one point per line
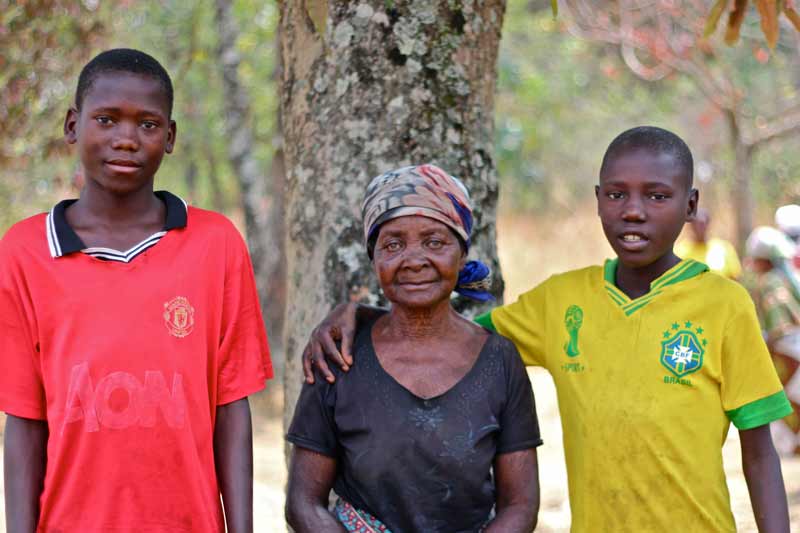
367 87
261 204
742 175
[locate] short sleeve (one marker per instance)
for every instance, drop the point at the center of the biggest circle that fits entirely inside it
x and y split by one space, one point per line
243 360
519 426
21 387
524 323
313 426
752 394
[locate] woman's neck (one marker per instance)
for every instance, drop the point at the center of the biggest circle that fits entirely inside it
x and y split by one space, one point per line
415 324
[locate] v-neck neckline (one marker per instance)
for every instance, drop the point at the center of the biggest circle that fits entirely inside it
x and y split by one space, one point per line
685 269
417 397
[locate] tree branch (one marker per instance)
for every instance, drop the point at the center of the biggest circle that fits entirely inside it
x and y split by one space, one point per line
776 127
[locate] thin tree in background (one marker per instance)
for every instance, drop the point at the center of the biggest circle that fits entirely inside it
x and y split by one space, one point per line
261 191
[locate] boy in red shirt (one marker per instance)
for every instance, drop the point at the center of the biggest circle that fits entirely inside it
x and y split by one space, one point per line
130 335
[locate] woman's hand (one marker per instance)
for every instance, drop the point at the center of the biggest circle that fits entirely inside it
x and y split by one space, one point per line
517 478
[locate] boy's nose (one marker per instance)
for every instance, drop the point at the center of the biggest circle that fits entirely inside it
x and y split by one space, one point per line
634 210
126 138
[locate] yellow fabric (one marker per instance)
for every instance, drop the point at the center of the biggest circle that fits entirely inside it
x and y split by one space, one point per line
643 443
718 254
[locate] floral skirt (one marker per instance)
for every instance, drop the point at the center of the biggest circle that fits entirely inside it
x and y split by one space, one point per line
356 520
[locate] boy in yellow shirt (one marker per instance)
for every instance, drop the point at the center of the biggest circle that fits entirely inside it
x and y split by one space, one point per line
652 357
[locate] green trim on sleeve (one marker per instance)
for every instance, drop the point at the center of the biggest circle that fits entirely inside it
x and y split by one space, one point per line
760 412
485 320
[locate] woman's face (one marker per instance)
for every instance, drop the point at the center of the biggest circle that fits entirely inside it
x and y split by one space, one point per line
417 260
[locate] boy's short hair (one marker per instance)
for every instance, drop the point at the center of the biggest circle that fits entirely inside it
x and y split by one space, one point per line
122 60
655 140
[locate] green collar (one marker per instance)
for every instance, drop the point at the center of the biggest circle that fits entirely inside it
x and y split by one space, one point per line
686 269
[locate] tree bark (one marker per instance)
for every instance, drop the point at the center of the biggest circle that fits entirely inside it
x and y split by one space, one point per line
742 187
367 87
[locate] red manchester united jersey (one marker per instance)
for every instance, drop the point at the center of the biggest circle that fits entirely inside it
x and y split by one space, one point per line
127 358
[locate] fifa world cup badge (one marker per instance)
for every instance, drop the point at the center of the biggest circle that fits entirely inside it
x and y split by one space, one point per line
573 320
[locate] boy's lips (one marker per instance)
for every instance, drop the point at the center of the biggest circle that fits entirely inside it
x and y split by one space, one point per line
123 165
633 241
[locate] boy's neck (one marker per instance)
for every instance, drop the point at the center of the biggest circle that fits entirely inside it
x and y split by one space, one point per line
101 205
635 281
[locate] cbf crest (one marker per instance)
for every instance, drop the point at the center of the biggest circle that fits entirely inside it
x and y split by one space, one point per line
683 349
179 316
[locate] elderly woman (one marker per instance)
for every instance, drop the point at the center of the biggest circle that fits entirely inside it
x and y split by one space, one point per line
434 430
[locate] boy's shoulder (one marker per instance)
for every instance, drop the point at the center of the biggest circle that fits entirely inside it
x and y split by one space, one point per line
29 234
571 279
211 224
718 289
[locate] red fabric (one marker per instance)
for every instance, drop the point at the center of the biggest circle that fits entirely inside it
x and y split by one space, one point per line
127 363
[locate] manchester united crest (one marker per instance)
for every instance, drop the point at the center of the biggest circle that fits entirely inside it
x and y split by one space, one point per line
179 316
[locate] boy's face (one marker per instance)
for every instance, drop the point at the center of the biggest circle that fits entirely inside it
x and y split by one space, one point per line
643 201
122 131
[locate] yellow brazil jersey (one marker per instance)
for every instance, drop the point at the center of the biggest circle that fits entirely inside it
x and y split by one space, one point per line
647 389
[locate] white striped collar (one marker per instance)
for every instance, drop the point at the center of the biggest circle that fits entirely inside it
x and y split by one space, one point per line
62 239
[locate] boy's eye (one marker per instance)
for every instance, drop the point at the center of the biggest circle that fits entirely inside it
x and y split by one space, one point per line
149 125
658 196
102 119
615 195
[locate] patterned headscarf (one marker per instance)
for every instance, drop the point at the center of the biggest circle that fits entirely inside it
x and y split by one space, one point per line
426 190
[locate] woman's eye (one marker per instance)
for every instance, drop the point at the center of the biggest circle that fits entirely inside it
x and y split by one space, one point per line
392 246
435 243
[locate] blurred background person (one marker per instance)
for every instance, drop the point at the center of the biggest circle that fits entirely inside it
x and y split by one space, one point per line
787 218
772 282
718 254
